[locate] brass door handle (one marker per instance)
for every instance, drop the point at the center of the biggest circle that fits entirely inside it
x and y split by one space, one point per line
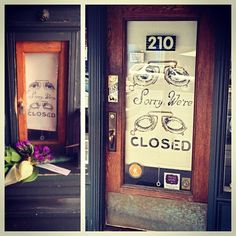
111 138
112 132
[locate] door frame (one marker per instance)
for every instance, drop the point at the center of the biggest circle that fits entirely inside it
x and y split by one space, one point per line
57 30
96 184
95 179
59 47
116 45
218 200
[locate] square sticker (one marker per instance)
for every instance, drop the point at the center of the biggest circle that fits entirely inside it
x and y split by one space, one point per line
172 181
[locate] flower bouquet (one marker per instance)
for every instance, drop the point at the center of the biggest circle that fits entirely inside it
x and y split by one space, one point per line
21 164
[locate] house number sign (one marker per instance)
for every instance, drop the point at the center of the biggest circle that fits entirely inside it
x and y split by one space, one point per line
160 42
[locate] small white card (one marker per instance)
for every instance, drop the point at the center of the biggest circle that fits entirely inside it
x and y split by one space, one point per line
172 181
54 168
113 88
137 57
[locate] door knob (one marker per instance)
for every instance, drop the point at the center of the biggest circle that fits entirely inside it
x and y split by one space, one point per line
21 106
111 138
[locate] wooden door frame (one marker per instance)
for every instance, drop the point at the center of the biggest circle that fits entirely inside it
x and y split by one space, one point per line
203 95
61 48
96 183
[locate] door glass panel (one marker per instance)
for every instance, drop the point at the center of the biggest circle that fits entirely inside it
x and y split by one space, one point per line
161 58
227 161
41 72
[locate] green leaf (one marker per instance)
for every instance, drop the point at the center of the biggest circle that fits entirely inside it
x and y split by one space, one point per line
7 151
6 169
58 159
8 159
8 164
11 155
15 157
33 177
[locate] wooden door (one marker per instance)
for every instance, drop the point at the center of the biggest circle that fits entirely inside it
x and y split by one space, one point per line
160 77
41 90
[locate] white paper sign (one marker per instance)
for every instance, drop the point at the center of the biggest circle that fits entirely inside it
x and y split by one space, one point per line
136 57
113 88
41 83
54 168
160 98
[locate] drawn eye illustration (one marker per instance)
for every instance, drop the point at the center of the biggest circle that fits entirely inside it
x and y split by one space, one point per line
173 124
49 86
35 85
152 69
136 67
177 76
35 105
145 123
143 75
47 106
144 79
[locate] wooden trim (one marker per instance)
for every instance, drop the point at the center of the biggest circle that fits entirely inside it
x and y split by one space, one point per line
41 46
154 192
21 90
203 93
114 160
203 109
62 93
61 48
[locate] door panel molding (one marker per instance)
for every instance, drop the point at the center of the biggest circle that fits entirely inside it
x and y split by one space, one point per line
116 39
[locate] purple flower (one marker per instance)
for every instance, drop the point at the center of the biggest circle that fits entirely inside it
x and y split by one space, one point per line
42 154
25 148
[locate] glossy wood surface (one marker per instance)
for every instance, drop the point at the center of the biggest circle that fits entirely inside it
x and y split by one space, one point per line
59 47
116 65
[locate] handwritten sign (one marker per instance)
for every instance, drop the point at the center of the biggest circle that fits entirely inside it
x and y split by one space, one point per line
159 124
160 96
41 89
